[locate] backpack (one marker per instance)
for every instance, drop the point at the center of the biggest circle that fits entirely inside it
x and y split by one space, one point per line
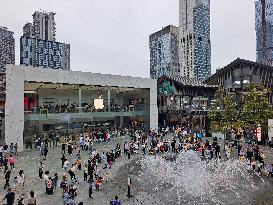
115 202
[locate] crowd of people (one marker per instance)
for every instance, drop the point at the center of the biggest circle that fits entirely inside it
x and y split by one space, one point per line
96 171
74 108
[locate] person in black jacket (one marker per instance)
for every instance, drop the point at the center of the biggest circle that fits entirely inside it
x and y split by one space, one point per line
10 197
7 177
90 190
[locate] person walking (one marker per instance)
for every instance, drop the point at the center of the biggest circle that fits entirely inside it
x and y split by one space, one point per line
90 190
85 173
72 172
15 183
5 163
63 148
10 197
129 187
11 162
69 149
79 163
45 152
82 141
46 178
55 181
16 149
32 199
21 182
41 170
1 154
7 177
63 160
65 166
66 196
49 186
11 148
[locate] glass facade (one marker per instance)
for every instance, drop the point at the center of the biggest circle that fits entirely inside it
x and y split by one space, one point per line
51 107
42 53
202 49
194 44
269 31
164 58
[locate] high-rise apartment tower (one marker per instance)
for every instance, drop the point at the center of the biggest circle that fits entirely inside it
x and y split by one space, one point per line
38 45
264 31
164 57
7 48
194 39
44 26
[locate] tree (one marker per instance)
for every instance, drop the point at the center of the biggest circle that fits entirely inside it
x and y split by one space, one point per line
256 109
223 114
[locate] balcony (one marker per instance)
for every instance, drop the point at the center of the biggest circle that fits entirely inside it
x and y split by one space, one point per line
81 115
73 112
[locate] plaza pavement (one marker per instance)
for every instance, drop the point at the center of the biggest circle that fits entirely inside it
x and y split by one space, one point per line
29 161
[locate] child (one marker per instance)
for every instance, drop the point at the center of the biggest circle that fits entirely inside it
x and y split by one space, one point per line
98 183
11 162
79 163
15 183
11 148
106 177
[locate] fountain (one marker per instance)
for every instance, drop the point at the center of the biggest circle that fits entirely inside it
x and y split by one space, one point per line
190 180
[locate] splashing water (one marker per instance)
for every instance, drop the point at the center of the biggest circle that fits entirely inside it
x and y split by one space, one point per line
195 180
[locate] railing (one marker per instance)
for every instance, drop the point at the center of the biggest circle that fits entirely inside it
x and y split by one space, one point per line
87 109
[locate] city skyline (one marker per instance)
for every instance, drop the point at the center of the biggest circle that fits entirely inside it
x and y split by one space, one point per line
92 52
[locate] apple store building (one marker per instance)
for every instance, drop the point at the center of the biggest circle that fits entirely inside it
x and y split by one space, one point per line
46 100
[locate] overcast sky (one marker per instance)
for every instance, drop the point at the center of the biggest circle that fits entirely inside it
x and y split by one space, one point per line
112 36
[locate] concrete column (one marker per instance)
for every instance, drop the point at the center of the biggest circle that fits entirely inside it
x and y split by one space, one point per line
121 121
153 105
121 117
14 107
80 99
108 99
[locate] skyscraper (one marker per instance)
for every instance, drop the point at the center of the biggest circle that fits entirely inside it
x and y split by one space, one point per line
41 53
164 57
44 26
38 45
194 38
7 47
264 31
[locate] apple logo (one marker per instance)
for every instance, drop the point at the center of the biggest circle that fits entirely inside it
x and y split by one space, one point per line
98 103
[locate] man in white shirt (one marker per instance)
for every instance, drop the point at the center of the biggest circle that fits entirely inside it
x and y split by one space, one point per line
66 163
